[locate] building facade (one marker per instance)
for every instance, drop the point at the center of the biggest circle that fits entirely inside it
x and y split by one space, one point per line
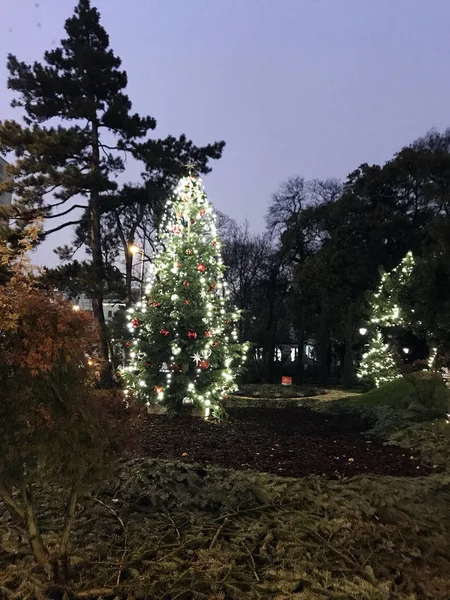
5 197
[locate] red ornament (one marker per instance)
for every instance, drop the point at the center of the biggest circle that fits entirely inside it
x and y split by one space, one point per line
207 333
186 283
202 212
149 364
176 229
212 286
156 304
214 242
174 367
118 375
192 221
135 322
203 364
187 301
227 321
163 332
192 335
201 267
159 389
179 214
214 344
128 344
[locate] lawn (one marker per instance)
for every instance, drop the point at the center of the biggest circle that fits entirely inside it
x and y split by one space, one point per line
282 504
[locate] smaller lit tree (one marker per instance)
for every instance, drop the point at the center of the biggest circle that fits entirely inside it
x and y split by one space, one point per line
379 363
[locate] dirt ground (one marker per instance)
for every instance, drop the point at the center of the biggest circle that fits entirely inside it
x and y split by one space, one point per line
292 442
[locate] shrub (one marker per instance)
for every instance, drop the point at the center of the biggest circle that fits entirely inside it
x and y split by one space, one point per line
54 427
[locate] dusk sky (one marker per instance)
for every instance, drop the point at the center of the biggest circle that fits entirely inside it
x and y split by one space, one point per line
294 87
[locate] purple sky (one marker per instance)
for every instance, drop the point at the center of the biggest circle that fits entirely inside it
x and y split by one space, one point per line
295 87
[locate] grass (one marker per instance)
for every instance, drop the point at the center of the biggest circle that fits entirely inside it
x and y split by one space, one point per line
168 530
393 394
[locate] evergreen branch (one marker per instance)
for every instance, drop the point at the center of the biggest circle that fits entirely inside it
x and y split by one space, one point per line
66 211
55 229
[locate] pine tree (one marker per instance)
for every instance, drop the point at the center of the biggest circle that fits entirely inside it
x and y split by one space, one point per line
379 363
81 84
185 350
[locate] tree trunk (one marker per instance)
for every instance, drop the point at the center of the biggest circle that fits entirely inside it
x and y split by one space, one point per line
323 345
14 509
128 276
301 339
349 370
34 536
97 261
70 516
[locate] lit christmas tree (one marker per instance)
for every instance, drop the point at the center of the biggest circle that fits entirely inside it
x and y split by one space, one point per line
386 310
379 363
184 350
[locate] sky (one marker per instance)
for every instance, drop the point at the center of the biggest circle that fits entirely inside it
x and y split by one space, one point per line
294 87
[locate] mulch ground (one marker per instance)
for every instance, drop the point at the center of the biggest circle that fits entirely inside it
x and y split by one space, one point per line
288 442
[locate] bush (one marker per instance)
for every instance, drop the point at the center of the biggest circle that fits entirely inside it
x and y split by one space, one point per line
423 393
54 427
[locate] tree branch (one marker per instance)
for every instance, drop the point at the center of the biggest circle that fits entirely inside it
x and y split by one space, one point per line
66 212
55 229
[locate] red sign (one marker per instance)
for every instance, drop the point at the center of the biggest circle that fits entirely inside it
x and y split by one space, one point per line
286 381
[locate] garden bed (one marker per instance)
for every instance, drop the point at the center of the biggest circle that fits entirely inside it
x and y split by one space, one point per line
294 442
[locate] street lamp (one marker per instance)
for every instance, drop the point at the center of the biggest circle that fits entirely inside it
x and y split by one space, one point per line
133 249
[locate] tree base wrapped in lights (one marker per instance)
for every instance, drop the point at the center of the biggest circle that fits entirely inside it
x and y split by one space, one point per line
185 354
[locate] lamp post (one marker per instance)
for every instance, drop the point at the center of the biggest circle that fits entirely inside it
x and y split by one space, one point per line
133 249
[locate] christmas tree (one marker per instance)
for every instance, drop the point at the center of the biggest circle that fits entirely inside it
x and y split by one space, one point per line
184 350
379 363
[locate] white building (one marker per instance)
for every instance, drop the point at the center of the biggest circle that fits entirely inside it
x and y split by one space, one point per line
5 197
110 307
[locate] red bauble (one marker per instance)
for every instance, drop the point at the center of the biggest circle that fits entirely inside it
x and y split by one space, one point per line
135 322
186 283
149 364
192 221
179 214
212 286
227 321
202 212
118 375
201 267
207 333
163 332
156 304
203 364
187 301
158 389
214 344
192 335
128 344
176 229
214 243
